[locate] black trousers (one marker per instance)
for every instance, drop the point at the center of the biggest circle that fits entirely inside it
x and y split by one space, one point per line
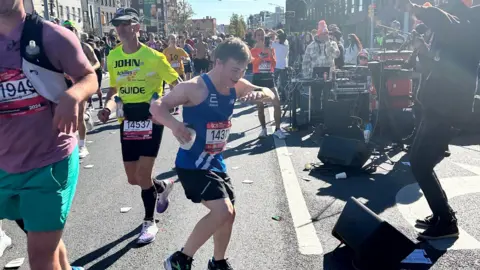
433 136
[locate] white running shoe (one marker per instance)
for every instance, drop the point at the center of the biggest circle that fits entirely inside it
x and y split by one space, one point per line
149 231
5 242
83 152
280 134
162 198
263 134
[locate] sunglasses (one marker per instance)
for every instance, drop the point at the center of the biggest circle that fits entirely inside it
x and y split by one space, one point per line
70 28
124 23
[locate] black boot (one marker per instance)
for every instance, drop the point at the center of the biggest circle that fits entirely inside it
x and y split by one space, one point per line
443 228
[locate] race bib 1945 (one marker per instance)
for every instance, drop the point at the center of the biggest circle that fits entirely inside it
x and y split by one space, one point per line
137 130
217 136
175 64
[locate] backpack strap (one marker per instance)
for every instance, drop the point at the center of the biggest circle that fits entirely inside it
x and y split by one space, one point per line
33 30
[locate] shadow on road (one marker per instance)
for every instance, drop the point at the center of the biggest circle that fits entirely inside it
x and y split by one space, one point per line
244 112
105 127
110 260
342 258
166 175
379 189
252 147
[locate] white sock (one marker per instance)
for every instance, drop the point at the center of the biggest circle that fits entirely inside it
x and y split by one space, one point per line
81 143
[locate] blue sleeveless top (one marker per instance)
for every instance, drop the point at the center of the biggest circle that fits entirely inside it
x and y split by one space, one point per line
187 49
211 122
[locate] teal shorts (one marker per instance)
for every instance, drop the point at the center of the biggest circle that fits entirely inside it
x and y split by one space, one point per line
41 197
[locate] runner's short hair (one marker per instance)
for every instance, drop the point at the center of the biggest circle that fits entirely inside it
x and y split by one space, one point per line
258 30
233 48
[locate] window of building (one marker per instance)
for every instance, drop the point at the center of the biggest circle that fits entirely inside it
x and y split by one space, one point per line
103 18
79 13
74 15
360 5
67 9
103 3
60 10
352 6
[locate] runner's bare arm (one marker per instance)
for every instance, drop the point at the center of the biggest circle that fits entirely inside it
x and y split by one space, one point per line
174 83
160 109
76 66
109 102
91 56
246 89
59 43
185 55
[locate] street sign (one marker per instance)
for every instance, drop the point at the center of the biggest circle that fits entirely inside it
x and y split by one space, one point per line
290 14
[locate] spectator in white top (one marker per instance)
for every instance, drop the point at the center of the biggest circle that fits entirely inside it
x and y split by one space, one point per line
353 49
282 49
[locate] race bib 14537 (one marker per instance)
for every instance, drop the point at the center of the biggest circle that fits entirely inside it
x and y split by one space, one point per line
137 130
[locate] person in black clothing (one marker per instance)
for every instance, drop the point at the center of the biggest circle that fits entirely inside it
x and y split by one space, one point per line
336 35
447 101
393 40
98 71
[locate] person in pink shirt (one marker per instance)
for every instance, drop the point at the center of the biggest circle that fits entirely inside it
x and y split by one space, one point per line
151 42
39 160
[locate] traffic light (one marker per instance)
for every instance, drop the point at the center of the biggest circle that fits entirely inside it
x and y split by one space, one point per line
372 11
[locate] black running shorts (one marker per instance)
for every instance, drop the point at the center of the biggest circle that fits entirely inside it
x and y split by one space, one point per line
201 65
264 80
203 185
188 67
132 150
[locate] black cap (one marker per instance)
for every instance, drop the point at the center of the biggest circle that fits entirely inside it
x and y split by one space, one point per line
421 28
126 14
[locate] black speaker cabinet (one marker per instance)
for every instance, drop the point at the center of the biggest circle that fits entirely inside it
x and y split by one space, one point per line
342 151
376 243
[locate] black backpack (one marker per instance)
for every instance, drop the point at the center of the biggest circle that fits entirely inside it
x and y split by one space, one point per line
33 30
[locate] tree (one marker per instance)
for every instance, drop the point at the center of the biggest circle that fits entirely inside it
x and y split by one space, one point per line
237 26
182 17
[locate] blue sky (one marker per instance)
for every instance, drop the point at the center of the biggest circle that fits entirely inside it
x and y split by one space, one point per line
222 10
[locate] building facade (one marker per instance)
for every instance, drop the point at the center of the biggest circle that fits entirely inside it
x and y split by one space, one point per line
207 26
154 14
71 10
90 16
63 10
276 19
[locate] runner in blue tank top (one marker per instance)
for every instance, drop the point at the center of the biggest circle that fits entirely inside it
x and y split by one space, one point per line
208 103
211 118
187 64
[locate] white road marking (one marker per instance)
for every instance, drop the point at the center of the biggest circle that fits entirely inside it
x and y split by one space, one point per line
412 204
308 242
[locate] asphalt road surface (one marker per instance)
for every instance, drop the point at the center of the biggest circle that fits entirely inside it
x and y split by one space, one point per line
98 236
